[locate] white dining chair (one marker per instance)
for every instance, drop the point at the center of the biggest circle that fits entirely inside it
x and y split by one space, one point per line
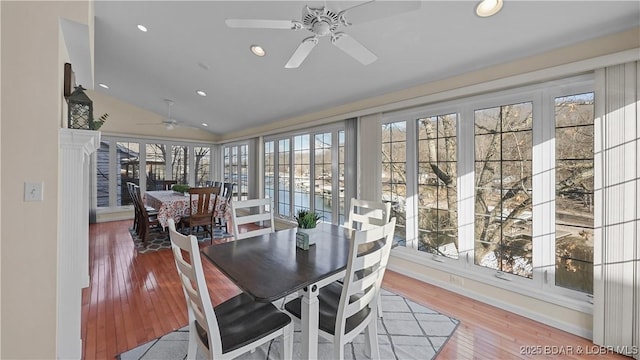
365 214
256 213
345 310
232 328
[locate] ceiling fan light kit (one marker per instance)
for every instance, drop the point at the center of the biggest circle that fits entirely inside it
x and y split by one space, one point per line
324 22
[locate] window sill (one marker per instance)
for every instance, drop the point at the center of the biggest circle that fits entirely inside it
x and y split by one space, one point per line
447 266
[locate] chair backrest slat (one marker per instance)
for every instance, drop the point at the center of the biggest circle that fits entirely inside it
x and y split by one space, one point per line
203 206
253 213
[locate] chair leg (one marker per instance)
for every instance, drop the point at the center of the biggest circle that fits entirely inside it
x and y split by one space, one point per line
193 343
371 339
287 342
380 306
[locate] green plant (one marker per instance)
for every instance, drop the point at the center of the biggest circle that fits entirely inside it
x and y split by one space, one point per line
181 188
307 219
96 124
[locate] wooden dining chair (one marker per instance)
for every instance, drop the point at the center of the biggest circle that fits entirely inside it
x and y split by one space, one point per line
225 198
348 309
232 328
201 214
252 217
365 214
147 220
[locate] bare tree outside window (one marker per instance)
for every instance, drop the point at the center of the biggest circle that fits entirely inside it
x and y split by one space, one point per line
574 192
503 201
394 175
202 164
437 185
179 164
156 155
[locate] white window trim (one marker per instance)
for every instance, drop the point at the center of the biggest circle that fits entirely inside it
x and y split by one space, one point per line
544 208
142 142
334 129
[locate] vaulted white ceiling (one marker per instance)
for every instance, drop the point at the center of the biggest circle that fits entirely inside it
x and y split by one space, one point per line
188 47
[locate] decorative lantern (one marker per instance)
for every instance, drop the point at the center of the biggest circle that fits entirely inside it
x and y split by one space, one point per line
80 110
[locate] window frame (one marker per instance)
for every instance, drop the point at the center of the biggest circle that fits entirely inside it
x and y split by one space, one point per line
334 129
114 170
541 286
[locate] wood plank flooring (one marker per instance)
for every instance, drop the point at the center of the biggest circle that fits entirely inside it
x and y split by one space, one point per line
134 298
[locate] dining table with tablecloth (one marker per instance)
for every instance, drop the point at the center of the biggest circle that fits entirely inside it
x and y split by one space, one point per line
174 205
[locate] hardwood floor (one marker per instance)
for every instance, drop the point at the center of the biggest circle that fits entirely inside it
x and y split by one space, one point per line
134 298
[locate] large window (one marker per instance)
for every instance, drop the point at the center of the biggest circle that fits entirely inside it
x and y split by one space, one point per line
180 164
394 174
437 185
310 173
500 186
284 177
503 202
574 192
156 166
128 157
202 165
148 163
323 188
301 172
236 169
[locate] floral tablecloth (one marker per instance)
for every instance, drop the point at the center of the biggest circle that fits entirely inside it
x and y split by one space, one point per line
171 205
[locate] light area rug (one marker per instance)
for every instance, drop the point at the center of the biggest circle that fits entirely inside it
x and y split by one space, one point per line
406 331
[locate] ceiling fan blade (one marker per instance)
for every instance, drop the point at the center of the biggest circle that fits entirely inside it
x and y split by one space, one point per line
352 47
302 52
260 24
373 10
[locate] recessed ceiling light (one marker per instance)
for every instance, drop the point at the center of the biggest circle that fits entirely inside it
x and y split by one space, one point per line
486 8
142 28
257 50
201 93
103 85
205 124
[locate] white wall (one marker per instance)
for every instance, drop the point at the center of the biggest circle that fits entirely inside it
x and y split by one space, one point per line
32 68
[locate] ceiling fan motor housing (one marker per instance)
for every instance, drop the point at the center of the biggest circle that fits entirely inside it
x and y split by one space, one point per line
320 21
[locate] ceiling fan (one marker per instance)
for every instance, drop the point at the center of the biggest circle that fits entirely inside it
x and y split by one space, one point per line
169 123
323 22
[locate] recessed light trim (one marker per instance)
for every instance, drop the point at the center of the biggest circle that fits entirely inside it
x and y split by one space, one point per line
104 86
142 28
205 124
201 93
257 50
486 8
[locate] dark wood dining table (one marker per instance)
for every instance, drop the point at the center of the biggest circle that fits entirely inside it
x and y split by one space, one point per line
270 267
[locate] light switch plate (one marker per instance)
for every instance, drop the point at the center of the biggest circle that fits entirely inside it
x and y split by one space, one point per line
33 191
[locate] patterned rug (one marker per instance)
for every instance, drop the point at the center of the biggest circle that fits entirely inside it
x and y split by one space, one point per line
406 331
159 239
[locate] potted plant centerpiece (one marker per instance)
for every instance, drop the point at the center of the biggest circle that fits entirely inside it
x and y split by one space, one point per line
182 189
307 221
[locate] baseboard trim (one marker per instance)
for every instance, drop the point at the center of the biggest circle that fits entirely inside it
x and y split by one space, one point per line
561 325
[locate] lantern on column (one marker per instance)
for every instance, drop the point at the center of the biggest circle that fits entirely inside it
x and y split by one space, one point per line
80 110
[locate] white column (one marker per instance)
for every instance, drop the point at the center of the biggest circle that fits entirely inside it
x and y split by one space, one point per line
76 146
370 157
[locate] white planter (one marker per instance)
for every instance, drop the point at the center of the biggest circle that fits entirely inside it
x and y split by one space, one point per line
306 238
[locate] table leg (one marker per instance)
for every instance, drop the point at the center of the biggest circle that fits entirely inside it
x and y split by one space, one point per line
310 319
